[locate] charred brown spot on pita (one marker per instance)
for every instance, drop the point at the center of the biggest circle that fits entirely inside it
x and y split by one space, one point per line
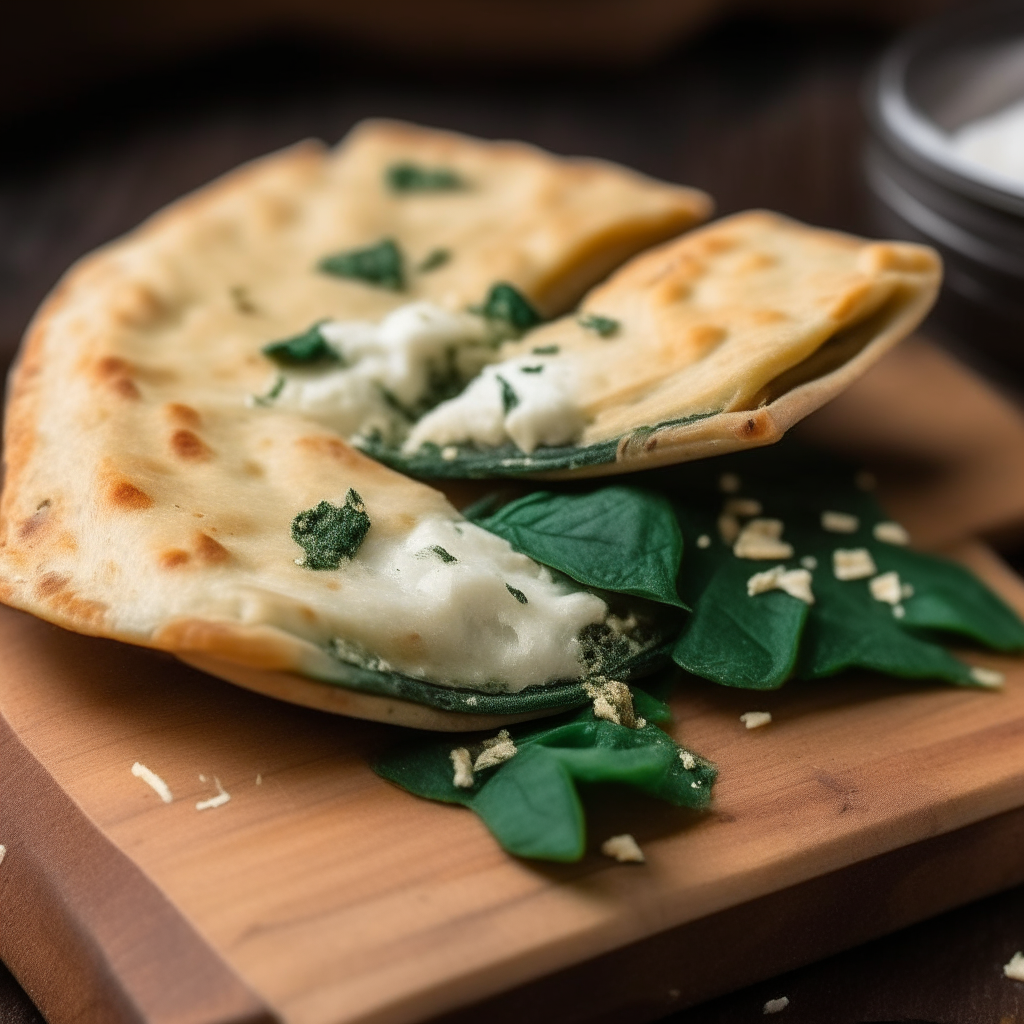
756 426
188 445
172 558
36 521
136 305
768 316
116 373
52 583
126 497
78 609
210 551
183 415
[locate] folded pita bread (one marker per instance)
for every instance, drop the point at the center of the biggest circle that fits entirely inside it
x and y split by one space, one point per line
719 340
145 501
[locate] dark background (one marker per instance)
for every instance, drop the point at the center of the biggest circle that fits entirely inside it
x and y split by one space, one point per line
758 111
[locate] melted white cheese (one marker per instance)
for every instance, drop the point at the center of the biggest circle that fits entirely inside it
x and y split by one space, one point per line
387 367
530 401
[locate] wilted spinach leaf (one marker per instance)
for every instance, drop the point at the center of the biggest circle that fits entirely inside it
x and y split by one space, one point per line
328 533
507 305
302 349
411 177
381 265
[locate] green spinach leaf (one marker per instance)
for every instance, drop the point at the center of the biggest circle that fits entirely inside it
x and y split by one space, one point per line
531 802
622 539
381 265
508 306
434 259
603 326
302 349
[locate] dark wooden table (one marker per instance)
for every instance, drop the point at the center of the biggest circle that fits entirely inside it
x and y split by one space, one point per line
758 113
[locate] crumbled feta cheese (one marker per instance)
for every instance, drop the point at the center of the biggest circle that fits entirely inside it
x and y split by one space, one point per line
742 507
449 453
906 590
689 761
497 750
613 701
760 539
987 676
222 797
865 481
756 719
728 528
624 849
140 771
703 541
891 533
853 564
1015 968
462 762
259 780
3 852
776 1005
898 611
795 582
729 483
809 562
886 587
472 701
839 522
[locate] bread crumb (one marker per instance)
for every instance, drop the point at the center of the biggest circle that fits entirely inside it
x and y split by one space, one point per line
729 483
703 541
689 761
839 522
222 797
987 677
743 507
886 587
497 750
756 719
853 564
462 762
891 533
140 771
761 539
259 780
3 852
795 582
1015 968
728 528
776 1005
624 849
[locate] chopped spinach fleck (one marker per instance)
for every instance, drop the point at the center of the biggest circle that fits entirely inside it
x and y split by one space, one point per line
328 533
604 326
509 398
434 259
507 305
307 347
407 176
381 265
545 350
517 594
275 390
531 369
446 556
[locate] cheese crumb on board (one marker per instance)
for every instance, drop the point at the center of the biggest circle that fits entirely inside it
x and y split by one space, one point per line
613 701
222 797
259 780
703 541
853 564
496 751
891 533
624 849
140 771
987 677
898 611
728 528
809 562
462 762
761 539
886 587
3 852
839 522
743 507
1015 968
795 582
756 719
689 761
776 1005
729 483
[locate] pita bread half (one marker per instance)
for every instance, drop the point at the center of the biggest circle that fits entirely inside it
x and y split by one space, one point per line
144 501
719 340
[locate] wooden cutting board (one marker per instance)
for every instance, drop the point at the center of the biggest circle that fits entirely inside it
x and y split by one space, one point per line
320 894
